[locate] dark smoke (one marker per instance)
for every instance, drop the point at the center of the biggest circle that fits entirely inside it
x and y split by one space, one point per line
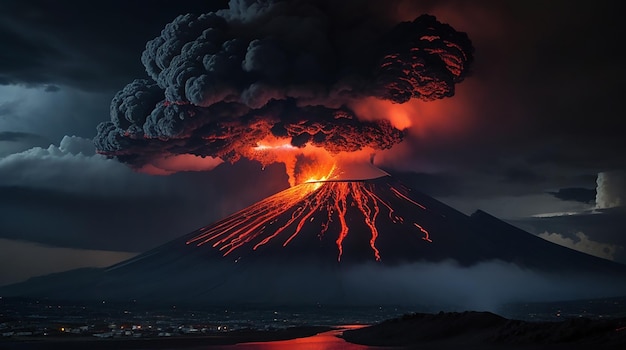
423 59
221 82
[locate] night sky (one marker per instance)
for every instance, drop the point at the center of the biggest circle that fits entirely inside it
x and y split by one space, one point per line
532 135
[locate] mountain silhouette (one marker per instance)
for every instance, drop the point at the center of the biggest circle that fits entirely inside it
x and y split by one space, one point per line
333 241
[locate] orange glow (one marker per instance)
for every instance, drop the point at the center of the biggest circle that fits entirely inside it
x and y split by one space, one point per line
302 164
273 143
310 163
435 125
431 119
427 235
317 172
362 198
371 108
173 163
287 213
322 341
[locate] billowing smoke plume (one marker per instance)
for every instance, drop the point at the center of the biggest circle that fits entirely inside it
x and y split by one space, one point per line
221 83
611 189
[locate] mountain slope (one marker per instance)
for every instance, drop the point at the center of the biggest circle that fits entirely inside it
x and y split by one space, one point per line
325 242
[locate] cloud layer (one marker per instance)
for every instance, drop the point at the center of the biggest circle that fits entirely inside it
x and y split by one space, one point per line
583 243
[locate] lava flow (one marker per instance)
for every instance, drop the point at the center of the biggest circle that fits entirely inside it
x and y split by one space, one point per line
323 207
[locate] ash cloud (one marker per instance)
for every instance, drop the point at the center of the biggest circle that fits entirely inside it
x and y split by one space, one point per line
583 195
221 82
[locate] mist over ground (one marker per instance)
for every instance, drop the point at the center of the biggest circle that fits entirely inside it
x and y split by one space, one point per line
486 286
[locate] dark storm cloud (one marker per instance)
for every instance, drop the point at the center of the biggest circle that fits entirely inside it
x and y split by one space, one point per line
66 111
133 212
582 126
17 141
52 88
130 224
83 200
15 136
8 108
522 175
584 195
433 185
498 181
85 45
222 82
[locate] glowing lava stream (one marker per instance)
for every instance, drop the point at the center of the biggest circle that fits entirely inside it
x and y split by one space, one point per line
332 197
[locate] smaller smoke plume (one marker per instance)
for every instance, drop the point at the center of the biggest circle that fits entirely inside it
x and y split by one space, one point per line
221 83
611 189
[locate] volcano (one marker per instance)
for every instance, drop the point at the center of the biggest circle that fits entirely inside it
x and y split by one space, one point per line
340 241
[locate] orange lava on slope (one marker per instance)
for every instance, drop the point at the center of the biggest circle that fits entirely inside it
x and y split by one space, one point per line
289 211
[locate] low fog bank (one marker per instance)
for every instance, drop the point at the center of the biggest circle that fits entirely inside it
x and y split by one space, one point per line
484 287
443 286
422 286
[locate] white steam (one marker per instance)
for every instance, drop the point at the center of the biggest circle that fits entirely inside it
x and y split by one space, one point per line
611 189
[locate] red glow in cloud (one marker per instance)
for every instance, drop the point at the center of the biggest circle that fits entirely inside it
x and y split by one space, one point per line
416 117
180 162
433 127
310 163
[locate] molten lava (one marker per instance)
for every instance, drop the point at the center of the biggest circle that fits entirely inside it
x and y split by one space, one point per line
321 206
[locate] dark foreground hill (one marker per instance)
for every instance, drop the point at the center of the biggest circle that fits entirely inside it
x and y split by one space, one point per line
484 330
